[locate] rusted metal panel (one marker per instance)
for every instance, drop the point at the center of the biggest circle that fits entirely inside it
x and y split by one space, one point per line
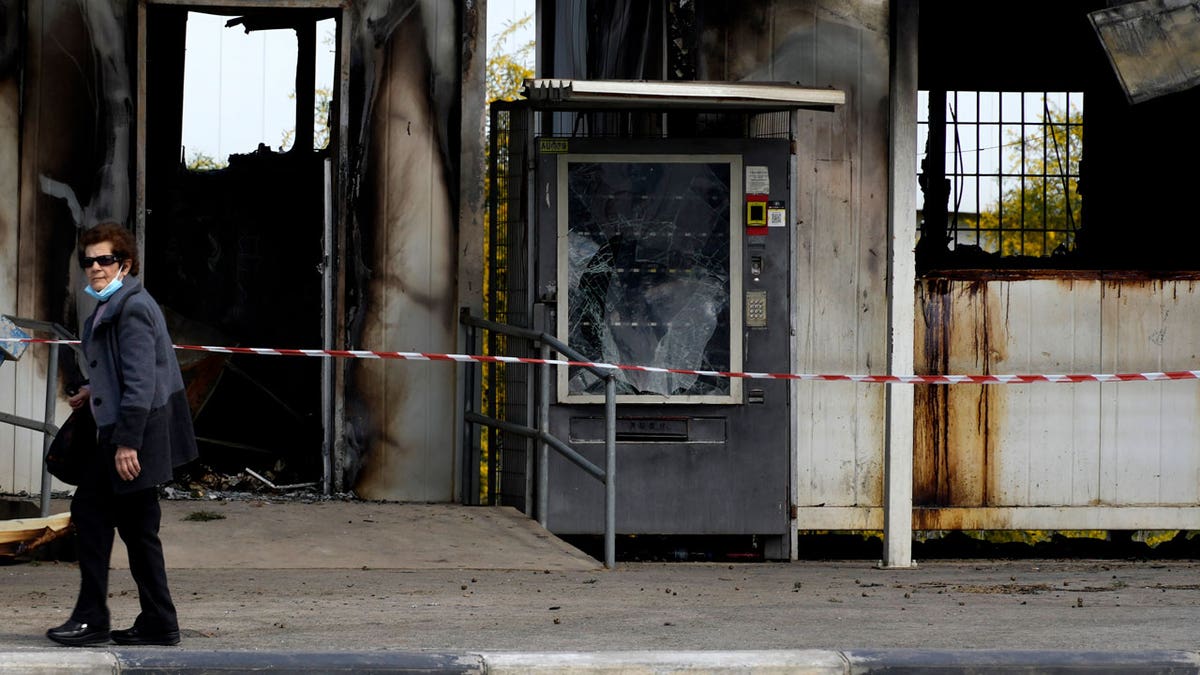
1078 445
1178 337
984 445
1008 518
931 475
1058 518
839 518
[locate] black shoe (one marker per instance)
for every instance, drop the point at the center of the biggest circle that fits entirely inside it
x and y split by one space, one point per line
78 634
139 636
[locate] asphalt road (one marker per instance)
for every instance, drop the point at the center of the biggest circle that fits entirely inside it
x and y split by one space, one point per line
966 604
257 577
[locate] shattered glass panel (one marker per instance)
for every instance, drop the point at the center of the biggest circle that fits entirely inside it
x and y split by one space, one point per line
648 273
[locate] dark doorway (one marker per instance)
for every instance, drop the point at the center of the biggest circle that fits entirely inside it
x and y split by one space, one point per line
235 252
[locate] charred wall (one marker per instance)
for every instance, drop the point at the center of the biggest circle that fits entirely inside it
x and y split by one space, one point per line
1131 197
235 255
65 130
402 283
10 143
76 156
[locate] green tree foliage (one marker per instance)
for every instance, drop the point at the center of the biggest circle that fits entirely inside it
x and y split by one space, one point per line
200 161
1039 209
322 96
508 69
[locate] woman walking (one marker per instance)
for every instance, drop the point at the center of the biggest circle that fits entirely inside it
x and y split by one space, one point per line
144 431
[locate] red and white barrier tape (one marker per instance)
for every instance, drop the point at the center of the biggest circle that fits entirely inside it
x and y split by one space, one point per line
470 358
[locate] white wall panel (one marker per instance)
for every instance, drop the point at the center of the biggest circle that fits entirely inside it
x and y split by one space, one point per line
20 471
831 344
840 297
1050 433
9 214
1150 435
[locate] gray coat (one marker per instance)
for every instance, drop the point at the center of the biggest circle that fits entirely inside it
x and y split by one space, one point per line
137 389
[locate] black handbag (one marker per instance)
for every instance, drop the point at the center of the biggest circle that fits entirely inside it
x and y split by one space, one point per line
70 453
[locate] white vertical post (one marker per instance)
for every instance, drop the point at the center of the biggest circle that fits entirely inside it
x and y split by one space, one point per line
902 239
329 249
793 538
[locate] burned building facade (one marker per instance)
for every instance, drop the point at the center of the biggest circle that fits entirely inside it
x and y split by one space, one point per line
996 190
996 195
352 243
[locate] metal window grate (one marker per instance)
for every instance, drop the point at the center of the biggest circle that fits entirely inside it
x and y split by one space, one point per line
506 389
1011 168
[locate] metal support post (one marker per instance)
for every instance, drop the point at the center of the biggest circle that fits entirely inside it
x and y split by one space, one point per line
48 418
543 462
610 471
902 280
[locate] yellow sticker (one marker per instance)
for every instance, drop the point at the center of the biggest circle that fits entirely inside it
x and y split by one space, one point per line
756 214
552 145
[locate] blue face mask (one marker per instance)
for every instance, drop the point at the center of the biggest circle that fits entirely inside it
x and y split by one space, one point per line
106 292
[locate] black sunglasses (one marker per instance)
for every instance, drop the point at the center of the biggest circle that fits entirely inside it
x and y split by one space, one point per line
104 260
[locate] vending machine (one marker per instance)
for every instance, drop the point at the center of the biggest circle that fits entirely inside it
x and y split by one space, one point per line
671 253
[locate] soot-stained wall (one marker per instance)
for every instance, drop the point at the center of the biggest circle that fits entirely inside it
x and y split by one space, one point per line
234 254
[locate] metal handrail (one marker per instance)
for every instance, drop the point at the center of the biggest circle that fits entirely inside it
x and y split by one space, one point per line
546 440
46 425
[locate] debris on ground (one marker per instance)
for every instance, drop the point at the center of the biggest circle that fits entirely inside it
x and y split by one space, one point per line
20 537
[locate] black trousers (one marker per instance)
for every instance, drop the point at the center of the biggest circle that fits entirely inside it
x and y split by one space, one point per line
96 511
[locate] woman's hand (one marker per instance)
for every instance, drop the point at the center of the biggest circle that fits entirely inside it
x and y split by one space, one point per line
80 398
128 467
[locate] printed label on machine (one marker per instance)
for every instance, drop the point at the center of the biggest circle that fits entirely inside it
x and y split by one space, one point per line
758 180
776 214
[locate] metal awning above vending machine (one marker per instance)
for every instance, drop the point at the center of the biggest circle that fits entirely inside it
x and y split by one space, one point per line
560 94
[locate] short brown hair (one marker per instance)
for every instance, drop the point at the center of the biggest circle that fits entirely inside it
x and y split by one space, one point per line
124 246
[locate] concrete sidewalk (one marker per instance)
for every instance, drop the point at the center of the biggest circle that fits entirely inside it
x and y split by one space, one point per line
365 587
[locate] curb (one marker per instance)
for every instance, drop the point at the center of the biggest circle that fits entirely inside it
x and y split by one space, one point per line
764 662
757 662
982 661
